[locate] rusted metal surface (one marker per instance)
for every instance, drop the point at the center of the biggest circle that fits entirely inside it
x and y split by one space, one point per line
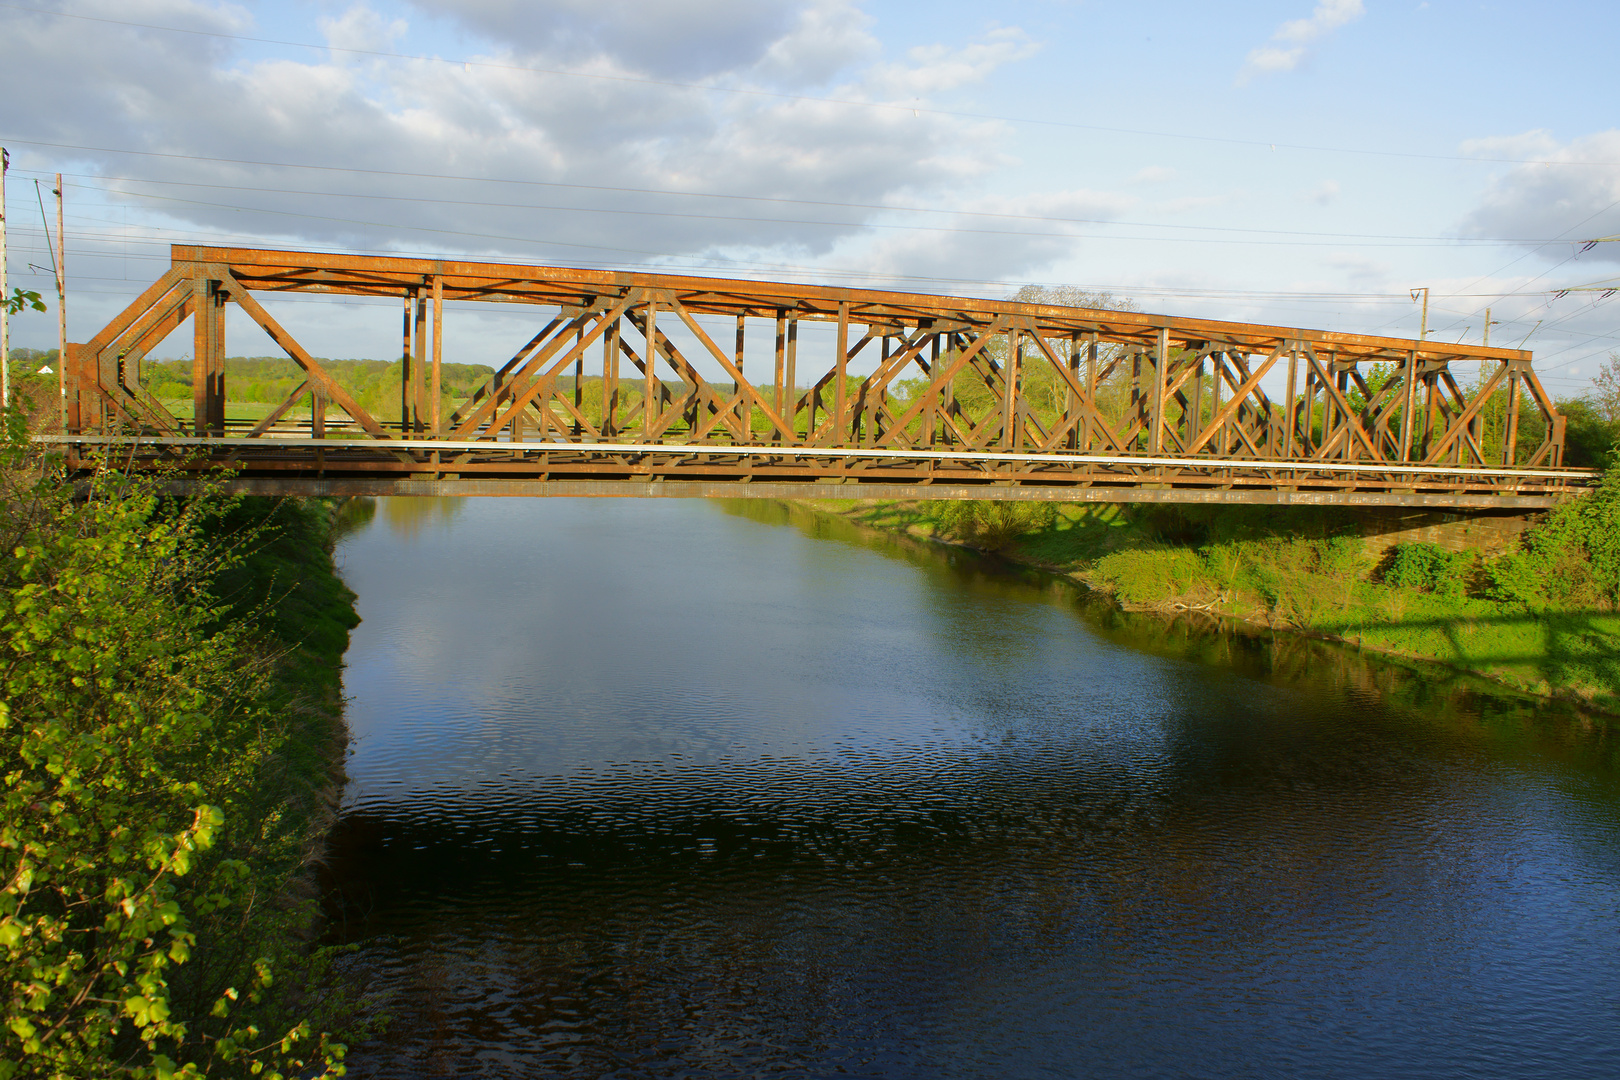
958 397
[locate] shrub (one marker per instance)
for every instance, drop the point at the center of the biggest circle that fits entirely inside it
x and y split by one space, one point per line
1151 575
1514 579
1572 558
1431 568
134 746
993 525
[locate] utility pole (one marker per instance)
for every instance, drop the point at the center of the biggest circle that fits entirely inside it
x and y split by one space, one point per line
5 291
1423 332
61 306
1488 325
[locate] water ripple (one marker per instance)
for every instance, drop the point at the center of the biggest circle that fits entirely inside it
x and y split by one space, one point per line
774 803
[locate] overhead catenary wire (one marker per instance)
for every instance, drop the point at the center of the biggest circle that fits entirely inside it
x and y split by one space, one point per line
914 108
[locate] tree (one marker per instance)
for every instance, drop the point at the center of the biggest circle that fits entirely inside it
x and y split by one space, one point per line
1606 389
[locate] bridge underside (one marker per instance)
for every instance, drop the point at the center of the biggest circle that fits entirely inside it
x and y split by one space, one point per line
912 397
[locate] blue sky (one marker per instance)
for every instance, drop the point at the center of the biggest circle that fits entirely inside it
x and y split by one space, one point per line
1289 162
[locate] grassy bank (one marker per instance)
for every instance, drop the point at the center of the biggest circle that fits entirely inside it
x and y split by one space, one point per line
287 586
1544 618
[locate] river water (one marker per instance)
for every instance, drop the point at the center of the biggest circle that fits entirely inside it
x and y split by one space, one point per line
671 789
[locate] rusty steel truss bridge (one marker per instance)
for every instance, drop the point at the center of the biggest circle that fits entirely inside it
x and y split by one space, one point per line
892 395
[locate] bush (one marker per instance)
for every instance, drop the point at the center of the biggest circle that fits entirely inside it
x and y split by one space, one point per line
993 525
1432 569
1513 579
1151 575
1572 558
139 930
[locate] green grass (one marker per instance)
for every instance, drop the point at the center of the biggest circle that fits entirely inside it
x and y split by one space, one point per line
1304 570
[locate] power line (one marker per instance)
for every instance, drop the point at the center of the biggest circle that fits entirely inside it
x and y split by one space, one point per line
1035 218
916 110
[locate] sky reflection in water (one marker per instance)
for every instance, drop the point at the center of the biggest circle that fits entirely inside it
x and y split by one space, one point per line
646 788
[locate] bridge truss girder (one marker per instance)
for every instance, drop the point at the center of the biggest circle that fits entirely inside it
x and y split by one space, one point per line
964 394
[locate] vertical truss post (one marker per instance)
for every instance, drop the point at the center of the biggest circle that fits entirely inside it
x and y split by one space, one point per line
745 411
1341 417
778 369
1091 388
419 362
1322 383
930 416
1161 378
317 412
1510 426
790 377
438 352
1071 439
1217 367
1137 407
842 367
649 404
1431 410
405 368
579 383
1476 426
1408 399
883 390
207 358
1290 416
610 378
1009 384
79 412
1195 423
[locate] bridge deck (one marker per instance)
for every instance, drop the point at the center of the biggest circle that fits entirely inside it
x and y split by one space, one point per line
913 397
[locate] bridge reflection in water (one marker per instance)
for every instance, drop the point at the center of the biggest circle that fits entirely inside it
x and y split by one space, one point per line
911 396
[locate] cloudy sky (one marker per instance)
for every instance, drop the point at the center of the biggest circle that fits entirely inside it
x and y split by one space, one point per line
1273 161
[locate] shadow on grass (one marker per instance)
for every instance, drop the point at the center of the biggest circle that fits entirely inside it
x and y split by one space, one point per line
1554 650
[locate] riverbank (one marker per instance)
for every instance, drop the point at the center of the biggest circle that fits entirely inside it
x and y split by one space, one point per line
1541 619
287 584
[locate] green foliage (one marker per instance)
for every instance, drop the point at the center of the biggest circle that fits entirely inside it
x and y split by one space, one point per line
992 524
1605 397
22 299
1572 558
268 380
1513 578
1149 576
144 840
1589 435
1376 377
1431 568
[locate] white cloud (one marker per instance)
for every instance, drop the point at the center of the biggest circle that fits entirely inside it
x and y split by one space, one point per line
362 29
1369 274
527 115
1571 193
693 39
1537 143
1291 42
978 248
1153 174
1324 193
933 68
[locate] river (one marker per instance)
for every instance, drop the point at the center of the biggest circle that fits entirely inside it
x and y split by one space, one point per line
674 789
